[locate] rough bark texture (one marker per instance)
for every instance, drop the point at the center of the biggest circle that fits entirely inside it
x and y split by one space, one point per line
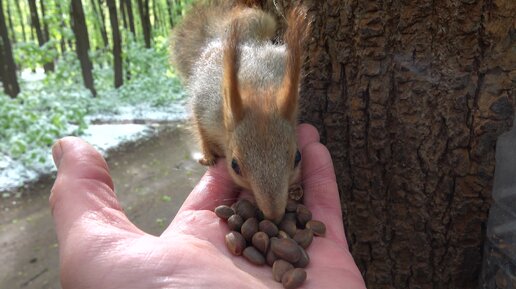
410 97
7 65
82 44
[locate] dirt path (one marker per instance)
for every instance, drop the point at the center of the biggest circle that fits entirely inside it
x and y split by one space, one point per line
152 178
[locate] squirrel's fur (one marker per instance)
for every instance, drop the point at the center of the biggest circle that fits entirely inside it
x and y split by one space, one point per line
244 91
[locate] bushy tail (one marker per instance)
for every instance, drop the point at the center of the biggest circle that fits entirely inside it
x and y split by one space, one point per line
208 20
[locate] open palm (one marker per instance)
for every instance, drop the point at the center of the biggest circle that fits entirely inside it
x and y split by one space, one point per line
100 248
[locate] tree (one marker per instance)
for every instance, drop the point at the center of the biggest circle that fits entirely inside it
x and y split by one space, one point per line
130 16
82 44
7 65
410 98
62 41
117 43
143 9
10 21
21 18
49 66
170 9
99 17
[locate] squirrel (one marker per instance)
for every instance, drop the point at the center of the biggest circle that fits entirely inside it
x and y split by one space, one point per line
244 92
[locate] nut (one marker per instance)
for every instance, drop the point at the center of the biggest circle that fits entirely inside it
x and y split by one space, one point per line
224 212
255 257
317 227
293 278
249 228
279 268
235 243
286 249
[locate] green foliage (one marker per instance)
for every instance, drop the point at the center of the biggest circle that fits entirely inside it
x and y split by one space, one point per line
36 118
60 105
31 55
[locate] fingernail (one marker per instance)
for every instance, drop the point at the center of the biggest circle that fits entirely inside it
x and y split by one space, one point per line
57 153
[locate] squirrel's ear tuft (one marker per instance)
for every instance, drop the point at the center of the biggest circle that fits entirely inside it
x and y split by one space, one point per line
233 107
297 31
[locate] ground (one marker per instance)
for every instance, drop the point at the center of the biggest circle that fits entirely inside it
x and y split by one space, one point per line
152 178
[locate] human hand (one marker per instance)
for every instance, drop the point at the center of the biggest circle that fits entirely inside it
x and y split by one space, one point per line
100 248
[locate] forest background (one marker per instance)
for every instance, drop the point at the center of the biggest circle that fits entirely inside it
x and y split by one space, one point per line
65 64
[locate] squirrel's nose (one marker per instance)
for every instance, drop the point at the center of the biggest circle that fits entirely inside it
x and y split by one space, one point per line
275 215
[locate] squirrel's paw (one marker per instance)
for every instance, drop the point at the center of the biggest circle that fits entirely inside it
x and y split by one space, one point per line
207 161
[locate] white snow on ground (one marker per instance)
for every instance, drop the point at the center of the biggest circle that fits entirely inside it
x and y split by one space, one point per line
105 132
104 137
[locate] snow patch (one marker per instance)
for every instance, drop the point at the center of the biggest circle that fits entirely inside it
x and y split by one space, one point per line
103 137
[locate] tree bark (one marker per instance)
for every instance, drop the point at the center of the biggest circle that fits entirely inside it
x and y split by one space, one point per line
410 98
130 16
143 9
49 66
82 44
117 44
7 65
22 20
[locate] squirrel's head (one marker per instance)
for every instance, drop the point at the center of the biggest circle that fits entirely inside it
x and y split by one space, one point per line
261 151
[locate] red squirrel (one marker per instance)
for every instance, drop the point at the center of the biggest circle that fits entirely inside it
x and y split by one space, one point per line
244 93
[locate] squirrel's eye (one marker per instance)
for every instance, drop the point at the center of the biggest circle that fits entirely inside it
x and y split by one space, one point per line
235 167
297 159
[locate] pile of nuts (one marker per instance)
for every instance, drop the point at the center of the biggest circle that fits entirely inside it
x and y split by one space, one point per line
261 241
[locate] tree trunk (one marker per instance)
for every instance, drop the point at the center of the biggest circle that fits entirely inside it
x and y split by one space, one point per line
170 9
22 20
82 44
117 44
10 20
143 9
130 15
44 21
7 65
100 22
62 42
49 66
410 98
124 14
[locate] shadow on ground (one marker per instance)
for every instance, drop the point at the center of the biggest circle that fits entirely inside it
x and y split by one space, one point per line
152 178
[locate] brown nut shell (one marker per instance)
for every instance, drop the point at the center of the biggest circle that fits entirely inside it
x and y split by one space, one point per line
235 243
249 228
318 227
279 268
253 256
224 212
304 237
261 241
235 222
268 227
293 278
286 249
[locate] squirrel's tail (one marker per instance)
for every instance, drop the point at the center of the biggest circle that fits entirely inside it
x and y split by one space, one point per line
208 20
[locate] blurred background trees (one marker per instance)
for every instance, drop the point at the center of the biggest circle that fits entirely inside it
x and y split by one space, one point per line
40 33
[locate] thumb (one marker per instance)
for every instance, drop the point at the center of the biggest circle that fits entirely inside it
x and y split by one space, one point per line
82 199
